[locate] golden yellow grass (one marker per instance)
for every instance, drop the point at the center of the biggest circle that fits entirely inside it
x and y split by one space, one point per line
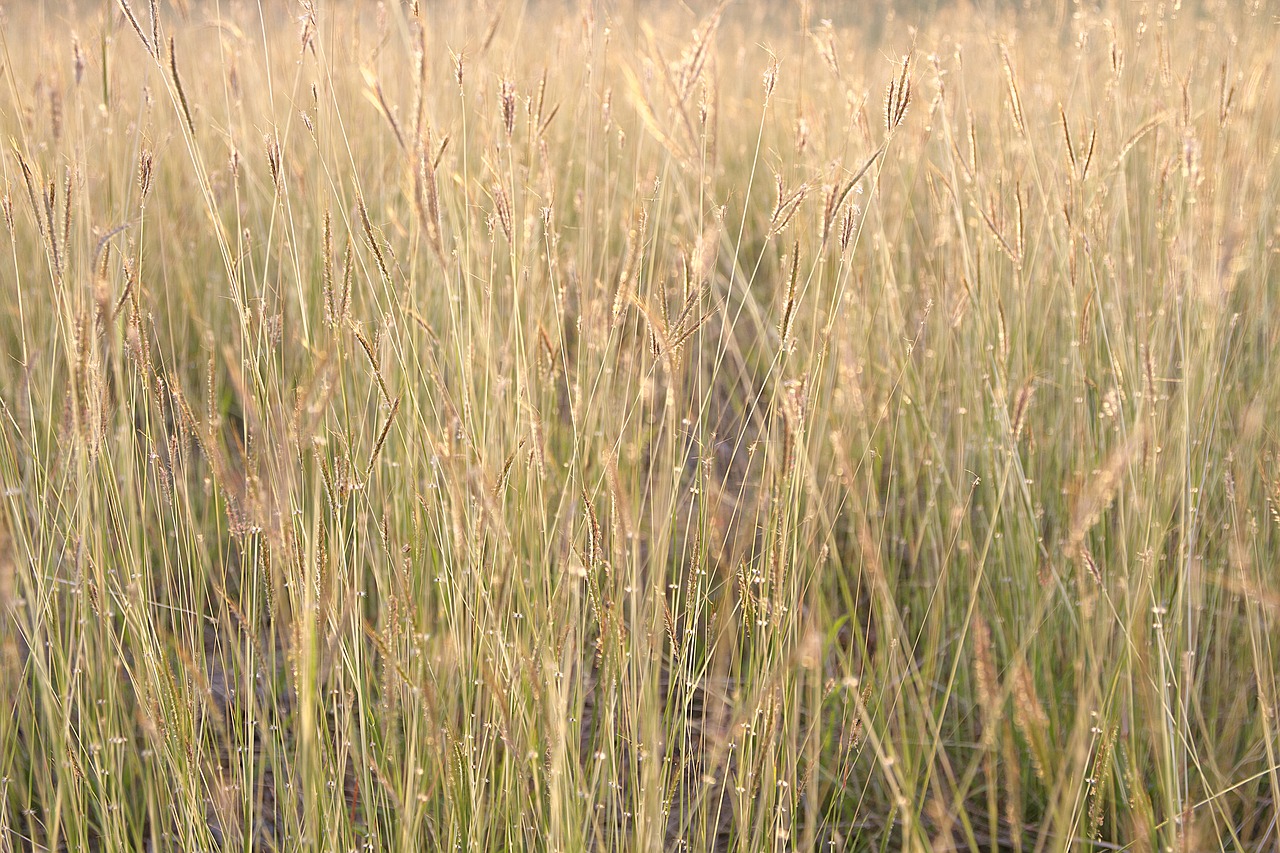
548 426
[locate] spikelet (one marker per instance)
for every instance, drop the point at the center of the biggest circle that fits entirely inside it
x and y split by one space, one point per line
1030 717
898 97
787 321
786 208
1015 99
770 78
382 437
367 346
1098 494
1022 403
371 238
986 680
137 28
177 85
507 98
502 211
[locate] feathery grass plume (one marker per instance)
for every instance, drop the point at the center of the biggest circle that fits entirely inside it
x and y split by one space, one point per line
657 330
1226 96
1031 719
137 28
504 476
1066 134
546 354
367 346
695 57
1115 54
971 165
539 101
177 85
847 225
145 169
1100 780
686 326
770 78
619 509
1021 405
1135 137
790 296
275 163
66 212
307 32
55 113
53 227
985 676
1086 316
537 450
372 238
627 272
1015 99
1092 565
373 91
837 199
1088 153
29 182
786 208
834 199
502 211
1098 493
898 97
825 40
507 99
709 122
78 61
491 31
343 309
331 317
427 199
640 98
994 220
382 435
595 546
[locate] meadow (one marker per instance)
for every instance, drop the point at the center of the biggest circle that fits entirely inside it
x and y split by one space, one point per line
640 426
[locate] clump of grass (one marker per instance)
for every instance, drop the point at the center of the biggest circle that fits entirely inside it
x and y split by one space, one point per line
630 429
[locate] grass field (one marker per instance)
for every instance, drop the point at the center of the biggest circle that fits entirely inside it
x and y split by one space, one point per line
607 427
